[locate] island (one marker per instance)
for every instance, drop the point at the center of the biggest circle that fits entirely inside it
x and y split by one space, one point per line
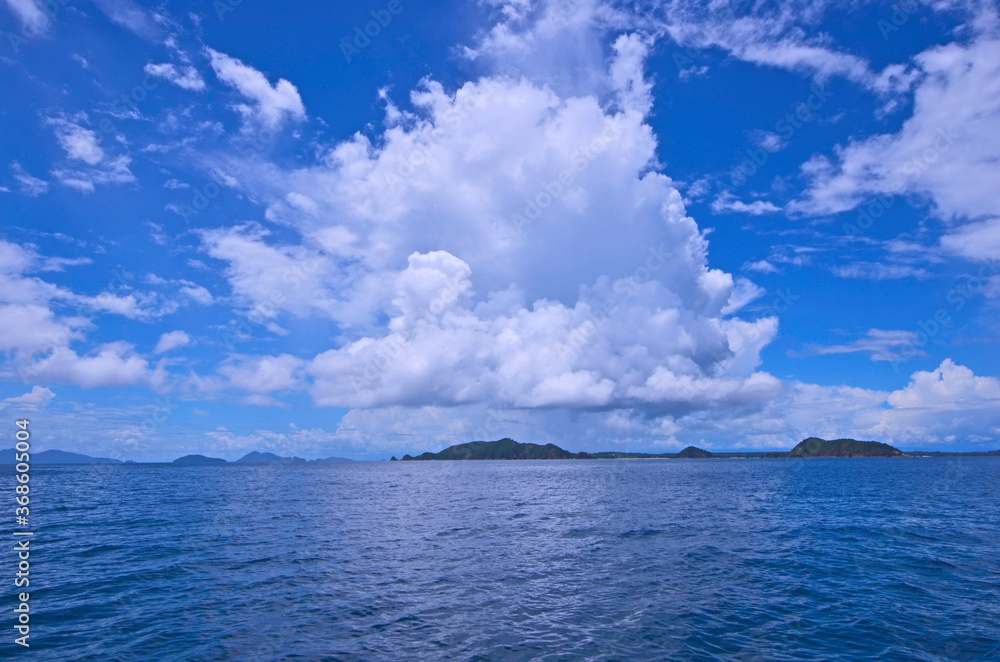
7 456
198 461
811 447
816 447
256 457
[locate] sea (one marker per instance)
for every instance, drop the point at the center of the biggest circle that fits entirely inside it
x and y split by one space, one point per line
743 559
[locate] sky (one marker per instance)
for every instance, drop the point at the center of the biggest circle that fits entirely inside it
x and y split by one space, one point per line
375 228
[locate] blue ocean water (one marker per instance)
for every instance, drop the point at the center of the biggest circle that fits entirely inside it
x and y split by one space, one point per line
825 559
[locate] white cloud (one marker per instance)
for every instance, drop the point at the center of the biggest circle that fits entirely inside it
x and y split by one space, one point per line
945 152
878 271
881 345
764 35
198 294
171 340
726 202
88 164
272 106
33 328
185 76
762 266
937 407
769 141
31 186
449 226
976 241
131 16
111 365
949 387
79 143
112 171
38 398
32 14
269 279
264 374
625 343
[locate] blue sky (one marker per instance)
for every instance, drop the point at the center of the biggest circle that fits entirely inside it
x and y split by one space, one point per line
603 225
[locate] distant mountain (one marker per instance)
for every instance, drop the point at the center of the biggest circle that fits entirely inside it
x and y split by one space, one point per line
816 447
333 459
255 457
7 456
198 461
503 449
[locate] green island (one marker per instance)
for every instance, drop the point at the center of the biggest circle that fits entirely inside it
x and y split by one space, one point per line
508 449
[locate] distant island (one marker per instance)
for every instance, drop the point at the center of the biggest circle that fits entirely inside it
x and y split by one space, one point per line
198 461
8 455
508 449
266 458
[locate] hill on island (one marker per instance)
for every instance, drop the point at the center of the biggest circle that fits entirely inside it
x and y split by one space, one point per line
508 449
503 449
198 461
816 447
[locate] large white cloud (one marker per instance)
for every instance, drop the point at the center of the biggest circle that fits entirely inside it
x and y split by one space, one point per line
521 246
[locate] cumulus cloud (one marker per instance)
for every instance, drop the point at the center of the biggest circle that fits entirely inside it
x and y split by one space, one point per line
937 407
264 374
171 340
950 386
111 365
450 228
184 76
270 105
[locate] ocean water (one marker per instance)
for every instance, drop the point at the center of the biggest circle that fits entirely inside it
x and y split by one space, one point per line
826 559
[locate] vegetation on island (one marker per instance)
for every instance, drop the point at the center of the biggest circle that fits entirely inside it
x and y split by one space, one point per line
508 449
198 461
816 447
